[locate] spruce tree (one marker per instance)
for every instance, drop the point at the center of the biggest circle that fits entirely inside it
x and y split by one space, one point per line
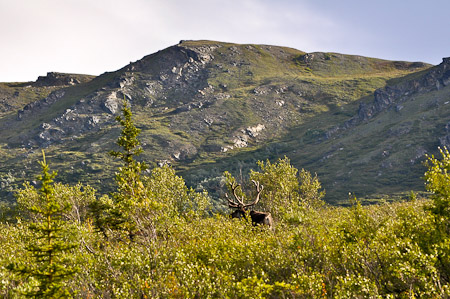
130 189
49 243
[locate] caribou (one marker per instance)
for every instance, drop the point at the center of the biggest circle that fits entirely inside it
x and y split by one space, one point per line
258 218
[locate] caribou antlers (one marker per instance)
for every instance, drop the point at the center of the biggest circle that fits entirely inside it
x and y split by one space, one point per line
240 203
263 218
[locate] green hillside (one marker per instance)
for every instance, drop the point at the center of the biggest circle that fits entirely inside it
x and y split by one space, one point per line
206 106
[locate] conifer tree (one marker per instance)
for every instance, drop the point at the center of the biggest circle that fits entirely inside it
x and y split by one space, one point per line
49 243
130 189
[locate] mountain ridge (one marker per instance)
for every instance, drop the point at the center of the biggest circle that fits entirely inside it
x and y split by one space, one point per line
201 102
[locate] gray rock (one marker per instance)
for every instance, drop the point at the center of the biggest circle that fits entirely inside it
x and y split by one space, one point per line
57 79
111 104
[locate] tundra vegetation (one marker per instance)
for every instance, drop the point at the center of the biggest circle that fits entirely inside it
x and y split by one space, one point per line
156 238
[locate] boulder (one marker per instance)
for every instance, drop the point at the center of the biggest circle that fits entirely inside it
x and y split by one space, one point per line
111 104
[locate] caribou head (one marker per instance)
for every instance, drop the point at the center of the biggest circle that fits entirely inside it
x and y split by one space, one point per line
237 203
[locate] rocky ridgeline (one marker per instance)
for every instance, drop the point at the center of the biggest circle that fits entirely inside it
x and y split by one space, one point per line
179 73
59 79
172 82
52 79
392 96
179 68
389 96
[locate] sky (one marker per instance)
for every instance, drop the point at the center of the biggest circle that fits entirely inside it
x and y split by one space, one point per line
97 36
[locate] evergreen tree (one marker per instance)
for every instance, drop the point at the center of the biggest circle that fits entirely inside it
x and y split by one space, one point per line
130 189
49 243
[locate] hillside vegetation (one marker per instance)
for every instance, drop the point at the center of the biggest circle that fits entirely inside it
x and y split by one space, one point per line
205 107
155 238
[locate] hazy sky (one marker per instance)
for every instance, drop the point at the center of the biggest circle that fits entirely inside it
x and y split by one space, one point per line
95 36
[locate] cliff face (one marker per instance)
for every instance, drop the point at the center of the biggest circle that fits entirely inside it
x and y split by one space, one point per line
206 106
393 95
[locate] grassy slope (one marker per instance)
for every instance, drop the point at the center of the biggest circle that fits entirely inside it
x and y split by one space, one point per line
318 94
335 93
381 156
15 95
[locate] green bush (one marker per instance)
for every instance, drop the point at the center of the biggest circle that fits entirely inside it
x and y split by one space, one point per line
438 182
287 192
180 250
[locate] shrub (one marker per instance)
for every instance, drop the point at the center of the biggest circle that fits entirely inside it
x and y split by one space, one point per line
438 182
286 190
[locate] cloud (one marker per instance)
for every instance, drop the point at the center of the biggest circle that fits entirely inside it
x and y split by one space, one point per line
85 36
248 21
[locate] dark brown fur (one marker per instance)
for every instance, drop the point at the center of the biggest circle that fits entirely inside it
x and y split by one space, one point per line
258 218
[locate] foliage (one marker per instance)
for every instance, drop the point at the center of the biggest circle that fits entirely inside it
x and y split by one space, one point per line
388 250
7 182
314 101
438 182
128 140
140 202
286 190
49 270
377 251
130 188
78 198
280 186
171 193
310 192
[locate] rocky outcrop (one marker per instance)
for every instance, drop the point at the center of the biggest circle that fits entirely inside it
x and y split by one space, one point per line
178 71
111 104
73 123
41 104
436 78
60 79
183 152
194 105
179 66
392 96
88 114
245 136
255 131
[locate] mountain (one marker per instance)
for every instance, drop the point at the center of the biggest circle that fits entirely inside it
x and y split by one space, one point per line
363 124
